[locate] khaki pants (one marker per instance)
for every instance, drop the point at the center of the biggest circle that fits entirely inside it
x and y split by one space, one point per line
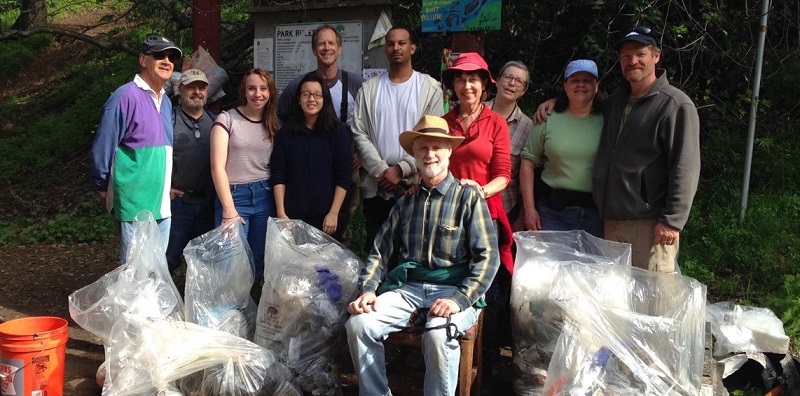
639 233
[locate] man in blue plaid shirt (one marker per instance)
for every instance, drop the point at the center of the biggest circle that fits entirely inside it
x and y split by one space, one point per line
445 245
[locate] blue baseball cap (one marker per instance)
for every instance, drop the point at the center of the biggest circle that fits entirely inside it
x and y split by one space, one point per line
581 65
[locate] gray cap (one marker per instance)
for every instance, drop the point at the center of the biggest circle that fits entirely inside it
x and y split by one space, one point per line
192 75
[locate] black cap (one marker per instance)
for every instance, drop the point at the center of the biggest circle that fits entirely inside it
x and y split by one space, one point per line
158 44
640 34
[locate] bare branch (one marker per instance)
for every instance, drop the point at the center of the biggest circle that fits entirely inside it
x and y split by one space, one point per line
106 45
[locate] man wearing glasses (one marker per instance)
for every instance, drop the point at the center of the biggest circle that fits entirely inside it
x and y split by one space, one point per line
192 193
648 164
131 157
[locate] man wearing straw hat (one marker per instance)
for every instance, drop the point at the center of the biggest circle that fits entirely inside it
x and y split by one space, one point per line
444 242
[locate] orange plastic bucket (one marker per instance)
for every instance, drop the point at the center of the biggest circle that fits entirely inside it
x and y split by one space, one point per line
32 356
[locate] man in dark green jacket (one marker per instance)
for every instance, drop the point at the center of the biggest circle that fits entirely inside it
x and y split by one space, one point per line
648 164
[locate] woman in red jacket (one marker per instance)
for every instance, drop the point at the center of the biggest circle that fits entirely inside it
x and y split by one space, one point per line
484 158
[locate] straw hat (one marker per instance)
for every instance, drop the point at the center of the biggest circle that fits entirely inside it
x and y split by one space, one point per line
428 126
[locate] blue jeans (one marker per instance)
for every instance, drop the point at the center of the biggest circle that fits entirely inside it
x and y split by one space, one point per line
366 332
255 204
126 230
188 221
570 218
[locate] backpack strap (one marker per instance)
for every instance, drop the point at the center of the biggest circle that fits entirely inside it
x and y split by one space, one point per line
343 110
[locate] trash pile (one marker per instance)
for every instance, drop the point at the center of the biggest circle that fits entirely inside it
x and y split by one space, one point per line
311 279
137 312
752 348
618 330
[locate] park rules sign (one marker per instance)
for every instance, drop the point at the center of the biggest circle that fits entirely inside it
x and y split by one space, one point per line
293 54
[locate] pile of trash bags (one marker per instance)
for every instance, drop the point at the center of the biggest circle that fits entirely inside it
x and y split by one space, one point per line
752 349
310 279
598 325
151 344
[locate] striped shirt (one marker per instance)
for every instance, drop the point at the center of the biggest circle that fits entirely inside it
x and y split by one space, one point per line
444 226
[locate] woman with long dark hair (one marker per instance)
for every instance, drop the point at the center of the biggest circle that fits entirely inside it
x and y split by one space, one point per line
312 160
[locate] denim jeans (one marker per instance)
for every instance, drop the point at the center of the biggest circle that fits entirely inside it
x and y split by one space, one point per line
126 230
366 332
255 204
188 221
570 218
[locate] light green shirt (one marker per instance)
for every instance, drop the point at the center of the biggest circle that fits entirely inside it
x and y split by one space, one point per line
566 146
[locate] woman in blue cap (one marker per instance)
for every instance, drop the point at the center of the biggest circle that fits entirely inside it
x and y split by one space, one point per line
565 146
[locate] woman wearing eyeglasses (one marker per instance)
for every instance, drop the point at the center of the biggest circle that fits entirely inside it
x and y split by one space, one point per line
312 160
241 146
482 159
565 145
511 85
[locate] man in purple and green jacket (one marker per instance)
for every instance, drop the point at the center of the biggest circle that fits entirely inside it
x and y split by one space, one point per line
131 157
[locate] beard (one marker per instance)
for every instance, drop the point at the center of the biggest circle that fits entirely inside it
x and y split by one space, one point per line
432 170
193 103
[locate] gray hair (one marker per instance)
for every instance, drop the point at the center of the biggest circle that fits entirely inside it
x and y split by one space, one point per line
520 65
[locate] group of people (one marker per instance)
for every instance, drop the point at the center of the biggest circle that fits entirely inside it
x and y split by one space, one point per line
441 193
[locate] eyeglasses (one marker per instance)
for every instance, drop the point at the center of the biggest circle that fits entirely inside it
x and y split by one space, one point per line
315 95
171 55
511 79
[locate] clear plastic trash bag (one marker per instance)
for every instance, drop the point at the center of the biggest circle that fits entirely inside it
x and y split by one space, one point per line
535 320
219 276
142 287
309 279
739 328
151 357
647 327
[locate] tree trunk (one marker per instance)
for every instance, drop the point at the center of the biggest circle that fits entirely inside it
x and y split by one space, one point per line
32 13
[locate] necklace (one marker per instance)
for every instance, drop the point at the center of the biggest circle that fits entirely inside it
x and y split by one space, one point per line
508 119
465 116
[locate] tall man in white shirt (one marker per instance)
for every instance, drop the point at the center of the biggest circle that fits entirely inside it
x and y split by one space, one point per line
385 106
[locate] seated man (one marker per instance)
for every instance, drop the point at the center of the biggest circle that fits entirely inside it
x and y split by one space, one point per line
445 242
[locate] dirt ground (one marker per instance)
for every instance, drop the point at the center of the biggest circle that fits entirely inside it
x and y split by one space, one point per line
36 281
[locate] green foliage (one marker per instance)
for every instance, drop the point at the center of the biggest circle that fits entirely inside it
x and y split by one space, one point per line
85 222
16 55
743 261
748 392
65 118
786 305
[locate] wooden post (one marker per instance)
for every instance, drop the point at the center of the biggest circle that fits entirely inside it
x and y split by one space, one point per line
468 42
206 25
